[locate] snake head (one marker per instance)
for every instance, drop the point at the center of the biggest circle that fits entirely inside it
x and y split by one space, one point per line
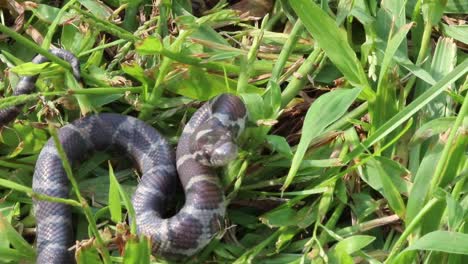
213 144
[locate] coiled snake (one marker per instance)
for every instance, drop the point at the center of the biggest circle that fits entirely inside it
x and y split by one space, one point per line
207 140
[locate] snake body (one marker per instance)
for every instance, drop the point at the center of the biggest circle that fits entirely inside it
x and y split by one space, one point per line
206 141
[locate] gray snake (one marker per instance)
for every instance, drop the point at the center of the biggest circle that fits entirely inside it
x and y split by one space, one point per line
206 141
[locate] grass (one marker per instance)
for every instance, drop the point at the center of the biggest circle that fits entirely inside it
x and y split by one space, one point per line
355 150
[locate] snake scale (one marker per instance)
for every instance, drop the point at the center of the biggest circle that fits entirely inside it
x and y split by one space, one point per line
207 140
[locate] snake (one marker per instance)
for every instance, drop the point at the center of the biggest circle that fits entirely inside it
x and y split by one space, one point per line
208 140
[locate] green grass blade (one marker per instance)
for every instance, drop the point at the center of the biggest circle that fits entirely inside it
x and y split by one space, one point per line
137 251
16 240
114 197
392 48
334 42
421 182
127 202
458 32
443 62
443 241
402 116
386 94
389 190
442 165
324 111
88 255
354 243
14 256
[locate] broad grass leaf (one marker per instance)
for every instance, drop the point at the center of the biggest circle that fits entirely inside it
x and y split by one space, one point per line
75 40
377 169
97 8
325 202
308 164
391 49
280 145
456 157
137 251
443 62
344 8
422 181
226 55
272 100
445 58
456 6
339 256
323 112
83 99
433 10
386 94
201 85
256 114
29 68
343 249
443 241
307 216
88 255
126 200
281 217
16 240
282 258
252 252
392 169
391 17
415 70
224 253
149 46
455 213
364 205
353 244
48 14
333 41
458 32
114 197
241 218
100 100
433 128
209 34
402 116
8 210
14 256
254 104
285 238
137 72
29 139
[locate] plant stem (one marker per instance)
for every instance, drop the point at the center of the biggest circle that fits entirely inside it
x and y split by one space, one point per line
52 28
297 83
443 161
285 52
409 229
156 92
247 61
33 46
101 47
21 99
421 57
18 187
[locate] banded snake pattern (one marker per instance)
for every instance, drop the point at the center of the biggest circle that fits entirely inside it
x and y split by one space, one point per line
207 140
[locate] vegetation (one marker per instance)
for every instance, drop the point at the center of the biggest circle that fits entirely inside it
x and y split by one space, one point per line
358 120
